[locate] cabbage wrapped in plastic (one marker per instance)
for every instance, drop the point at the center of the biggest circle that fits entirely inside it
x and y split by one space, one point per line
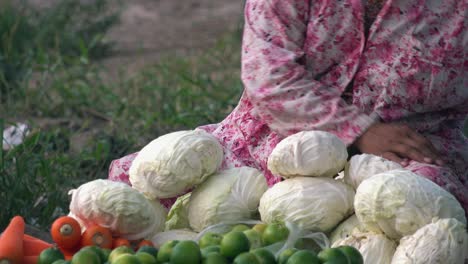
346 228
375 248
176 234
361 167
400 202
119 207
440 242
174 163
312 203
227 196
308 153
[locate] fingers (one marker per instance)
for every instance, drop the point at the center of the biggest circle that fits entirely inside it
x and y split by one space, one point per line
395 158
408 151
426 147
427 154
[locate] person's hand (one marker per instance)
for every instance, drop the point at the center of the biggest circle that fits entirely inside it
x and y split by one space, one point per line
398 143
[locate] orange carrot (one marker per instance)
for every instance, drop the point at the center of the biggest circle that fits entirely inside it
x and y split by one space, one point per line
11 242
97 236
30 259
120 241
66 232
145 242
34 246
68 253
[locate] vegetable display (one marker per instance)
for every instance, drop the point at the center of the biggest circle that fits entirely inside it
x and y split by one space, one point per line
372 212
173 163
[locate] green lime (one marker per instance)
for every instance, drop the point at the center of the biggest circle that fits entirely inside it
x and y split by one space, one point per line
210 249
88 256
49 255
126 258
210 239
264 255
215 258
275 232
285 254
246 258
234 243
102 256
240 227
164 252
303 257
260 228
300 244
146 258
116 252
106 252
352 253
186 252
149 249
332 255
61 261
254 237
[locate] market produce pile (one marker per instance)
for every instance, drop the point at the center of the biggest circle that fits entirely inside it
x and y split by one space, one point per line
327 209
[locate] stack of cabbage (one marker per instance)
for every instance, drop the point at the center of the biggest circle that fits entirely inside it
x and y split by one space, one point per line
170 166
400 217
390 214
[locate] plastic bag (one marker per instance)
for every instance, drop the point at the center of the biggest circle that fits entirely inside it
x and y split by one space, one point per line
14 135
319 239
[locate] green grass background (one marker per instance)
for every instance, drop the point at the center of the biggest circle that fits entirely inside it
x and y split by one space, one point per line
48 70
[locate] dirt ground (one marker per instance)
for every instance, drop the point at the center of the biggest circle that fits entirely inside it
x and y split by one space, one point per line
149 29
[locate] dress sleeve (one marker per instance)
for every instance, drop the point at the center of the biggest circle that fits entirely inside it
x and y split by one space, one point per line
283 93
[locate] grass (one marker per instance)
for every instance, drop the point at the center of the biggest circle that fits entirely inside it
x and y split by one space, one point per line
61 81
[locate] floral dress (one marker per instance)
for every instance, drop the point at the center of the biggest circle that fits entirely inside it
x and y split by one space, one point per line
315 65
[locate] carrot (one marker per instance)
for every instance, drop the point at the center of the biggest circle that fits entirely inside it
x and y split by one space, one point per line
66 232
119 241
34 246
68 253
11 242
30 259
97 236
145 242
29 237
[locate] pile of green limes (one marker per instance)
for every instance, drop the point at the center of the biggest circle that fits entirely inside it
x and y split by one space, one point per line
241 245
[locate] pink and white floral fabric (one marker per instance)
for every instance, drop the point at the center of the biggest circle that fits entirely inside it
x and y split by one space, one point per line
300 58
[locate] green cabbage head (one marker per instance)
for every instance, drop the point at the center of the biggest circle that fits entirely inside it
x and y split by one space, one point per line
174 163
399 202
228 196
440 242
312 203
119 207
